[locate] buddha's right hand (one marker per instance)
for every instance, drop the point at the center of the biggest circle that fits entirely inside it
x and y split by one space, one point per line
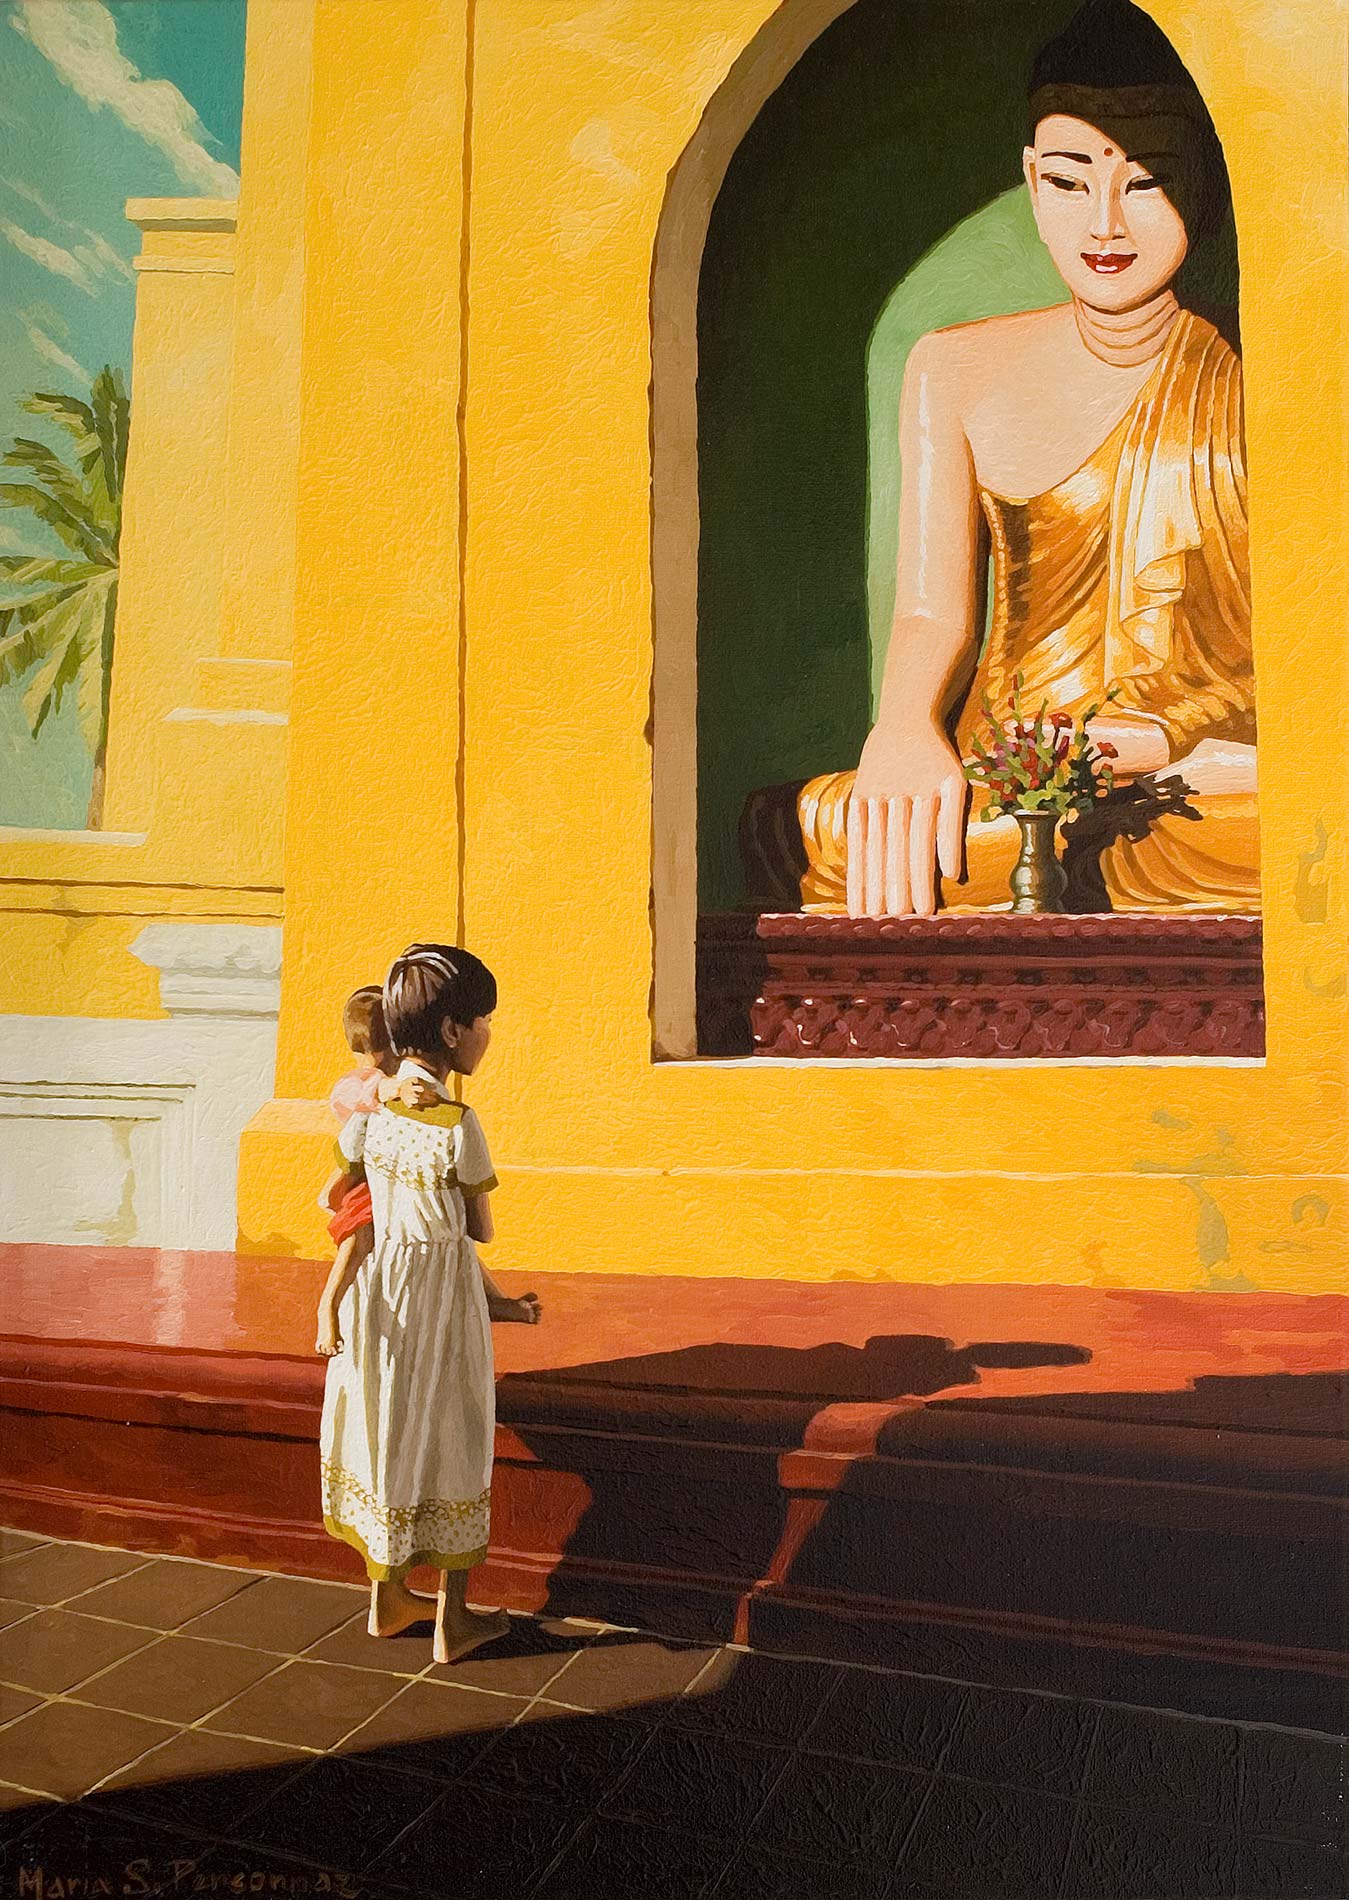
906 816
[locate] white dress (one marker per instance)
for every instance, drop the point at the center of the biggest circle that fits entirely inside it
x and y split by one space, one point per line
409 1406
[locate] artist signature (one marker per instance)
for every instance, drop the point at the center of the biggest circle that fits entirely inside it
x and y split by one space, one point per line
181 1877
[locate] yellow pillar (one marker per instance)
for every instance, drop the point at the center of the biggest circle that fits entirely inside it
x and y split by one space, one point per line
372 833
171 551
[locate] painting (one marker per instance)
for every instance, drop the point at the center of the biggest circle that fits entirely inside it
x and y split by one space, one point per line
672 879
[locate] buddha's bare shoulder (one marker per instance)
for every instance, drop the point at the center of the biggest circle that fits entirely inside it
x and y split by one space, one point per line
971 353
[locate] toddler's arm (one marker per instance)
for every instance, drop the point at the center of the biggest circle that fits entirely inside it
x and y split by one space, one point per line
330 1187
351 1257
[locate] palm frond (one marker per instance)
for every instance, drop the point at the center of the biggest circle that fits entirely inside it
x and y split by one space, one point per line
70 529
111 411
70 414
95 676
58 615
85 502
18 649
64 633
41 571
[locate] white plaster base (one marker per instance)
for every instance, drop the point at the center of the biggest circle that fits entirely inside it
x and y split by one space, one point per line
127 1133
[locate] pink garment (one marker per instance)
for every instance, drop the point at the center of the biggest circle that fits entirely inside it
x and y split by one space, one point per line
356 1094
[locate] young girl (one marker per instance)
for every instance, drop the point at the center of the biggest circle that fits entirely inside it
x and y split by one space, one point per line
409 1405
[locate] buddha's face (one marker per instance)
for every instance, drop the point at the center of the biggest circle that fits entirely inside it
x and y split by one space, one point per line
1110 204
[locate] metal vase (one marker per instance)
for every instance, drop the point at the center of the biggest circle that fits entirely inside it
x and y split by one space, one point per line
1038 880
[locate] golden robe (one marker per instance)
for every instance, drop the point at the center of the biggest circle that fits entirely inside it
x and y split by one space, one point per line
1131 573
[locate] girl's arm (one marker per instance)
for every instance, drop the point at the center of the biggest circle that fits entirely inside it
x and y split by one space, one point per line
351 1257
478 1221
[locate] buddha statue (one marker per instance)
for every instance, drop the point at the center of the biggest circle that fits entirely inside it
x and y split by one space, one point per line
1089 460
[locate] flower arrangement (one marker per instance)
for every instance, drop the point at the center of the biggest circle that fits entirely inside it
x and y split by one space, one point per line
1048 763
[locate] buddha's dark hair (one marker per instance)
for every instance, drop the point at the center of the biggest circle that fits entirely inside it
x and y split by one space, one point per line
1112 54
430 985
1109 44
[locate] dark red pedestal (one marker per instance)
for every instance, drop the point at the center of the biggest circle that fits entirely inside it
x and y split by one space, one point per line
994 987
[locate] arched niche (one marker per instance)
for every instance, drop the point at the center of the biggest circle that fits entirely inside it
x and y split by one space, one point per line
855 182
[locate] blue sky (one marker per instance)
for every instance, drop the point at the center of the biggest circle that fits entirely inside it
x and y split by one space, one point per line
100 101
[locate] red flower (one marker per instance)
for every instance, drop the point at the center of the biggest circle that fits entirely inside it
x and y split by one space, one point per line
1059 720
1106 750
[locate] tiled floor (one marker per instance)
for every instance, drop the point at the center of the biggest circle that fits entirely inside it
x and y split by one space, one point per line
175 1727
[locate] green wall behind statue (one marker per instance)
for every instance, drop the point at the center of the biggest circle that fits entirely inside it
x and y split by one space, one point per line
901 123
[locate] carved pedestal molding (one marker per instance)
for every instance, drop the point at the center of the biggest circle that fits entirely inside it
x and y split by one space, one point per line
995 987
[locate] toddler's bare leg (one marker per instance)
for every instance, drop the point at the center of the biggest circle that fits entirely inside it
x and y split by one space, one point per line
460 1630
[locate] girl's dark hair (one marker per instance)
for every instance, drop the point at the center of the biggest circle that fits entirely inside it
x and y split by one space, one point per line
430 985
363 1022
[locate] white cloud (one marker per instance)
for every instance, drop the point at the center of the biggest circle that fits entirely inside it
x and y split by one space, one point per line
61 263
51 351
79 38
31 195
94 252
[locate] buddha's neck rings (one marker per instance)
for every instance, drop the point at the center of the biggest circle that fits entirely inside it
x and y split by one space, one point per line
1125 338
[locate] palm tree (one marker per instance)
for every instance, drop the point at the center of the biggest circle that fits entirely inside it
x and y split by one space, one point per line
57 611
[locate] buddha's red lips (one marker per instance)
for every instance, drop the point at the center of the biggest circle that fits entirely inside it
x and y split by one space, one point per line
1108 263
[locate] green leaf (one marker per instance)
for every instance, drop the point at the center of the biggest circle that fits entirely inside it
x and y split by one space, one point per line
60 635
70 414
110 412
77 535
49 576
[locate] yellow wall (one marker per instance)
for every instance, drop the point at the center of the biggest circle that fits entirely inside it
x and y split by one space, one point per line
520 676
1032 1173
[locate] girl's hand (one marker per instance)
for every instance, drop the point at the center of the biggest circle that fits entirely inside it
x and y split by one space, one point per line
526 1310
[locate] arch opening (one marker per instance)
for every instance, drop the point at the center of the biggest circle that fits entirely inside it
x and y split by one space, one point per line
815 228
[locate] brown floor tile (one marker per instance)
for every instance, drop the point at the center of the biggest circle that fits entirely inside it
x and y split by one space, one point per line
628 1672
56 1649
15 1702
77 1848
15 1800
13 1613
179 1680
57 1571
435 1729
311 1704
554 1754
283 1614
525 1662
406 1654
63 1749
14 1543
340 1812
207 1781
164 1595
761 1697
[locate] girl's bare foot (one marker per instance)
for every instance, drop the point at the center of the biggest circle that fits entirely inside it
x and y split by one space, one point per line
461 1630
393 1607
